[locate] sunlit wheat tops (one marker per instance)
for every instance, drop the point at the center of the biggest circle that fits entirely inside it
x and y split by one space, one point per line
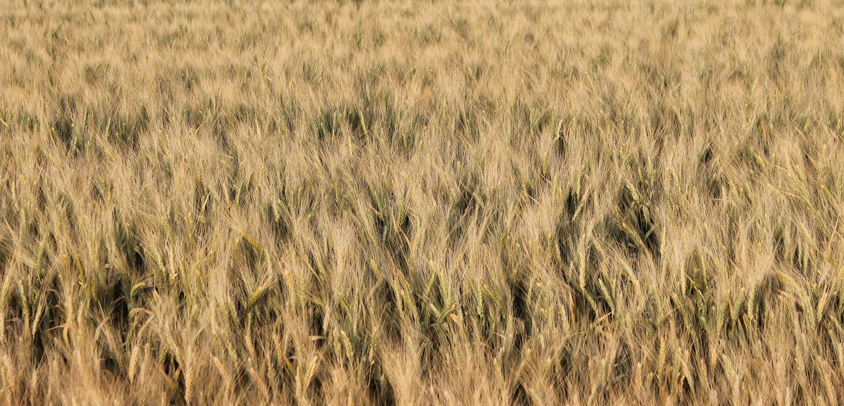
391 202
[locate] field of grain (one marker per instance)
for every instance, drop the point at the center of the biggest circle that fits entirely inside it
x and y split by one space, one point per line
422 203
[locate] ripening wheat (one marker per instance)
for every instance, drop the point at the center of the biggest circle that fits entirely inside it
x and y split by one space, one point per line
415 203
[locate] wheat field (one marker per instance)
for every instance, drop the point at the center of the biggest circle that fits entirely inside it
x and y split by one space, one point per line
422 203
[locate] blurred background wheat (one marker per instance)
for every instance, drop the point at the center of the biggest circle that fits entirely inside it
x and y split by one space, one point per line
414 203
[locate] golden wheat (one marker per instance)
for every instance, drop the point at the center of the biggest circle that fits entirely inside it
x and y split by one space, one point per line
483 202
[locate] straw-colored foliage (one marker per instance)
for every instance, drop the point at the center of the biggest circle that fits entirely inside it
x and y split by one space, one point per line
585 202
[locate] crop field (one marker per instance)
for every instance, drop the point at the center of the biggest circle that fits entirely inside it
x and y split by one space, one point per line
421 203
